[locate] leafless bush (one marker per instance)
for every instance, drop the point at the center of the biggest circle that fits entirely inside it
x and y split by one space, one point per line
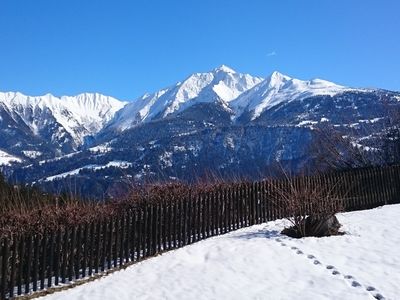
309 204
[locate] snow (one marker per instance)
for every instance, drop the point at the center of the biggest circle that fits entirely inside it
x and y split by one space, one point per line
259 263
32 154
115 164
278 88
225 69
80 116
220 85
7 159
307 122
103 148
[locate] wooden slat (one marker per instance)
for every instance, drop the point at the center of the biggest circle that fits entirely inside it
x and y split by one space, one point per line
43 262
13 263
50 269
27 263
4 267
58 256
85 249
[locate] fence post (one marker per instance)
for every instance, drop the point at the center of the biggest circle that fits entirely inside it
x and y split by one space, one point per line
43 257
4 268
78 251
64 264
72 247
190 217
117 230
128 227
28 263
85 249
122 242
90 261
13 263
133 243
104 245
51 260
58 256
21 255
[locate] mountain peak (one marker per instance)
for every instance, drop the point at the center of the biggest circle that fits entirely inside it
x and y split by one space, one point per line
225 69
277 76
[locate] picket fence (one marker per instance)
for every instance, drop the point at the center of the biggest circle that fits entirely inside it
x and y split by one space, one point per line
30 263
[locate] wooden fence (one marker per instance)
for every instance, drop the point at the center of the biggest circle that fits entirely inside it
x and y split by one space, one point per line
30 263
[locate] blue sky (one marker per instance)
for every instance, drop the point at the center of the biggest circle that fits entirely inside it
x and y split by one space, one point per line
127 48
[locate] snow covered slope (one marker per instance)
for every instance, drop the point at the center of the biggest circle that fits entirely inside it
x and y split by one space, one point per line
260 263
79 116
6 159
221 85
278 88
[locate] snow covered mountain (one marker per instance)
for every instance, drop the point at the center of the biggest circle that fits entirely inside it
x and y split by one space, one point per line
220 122
63 123
278 88
221 86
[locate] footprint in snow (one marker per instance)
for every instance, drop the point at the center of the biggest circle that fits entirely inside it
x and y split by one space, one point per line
329 267
355 284
335 272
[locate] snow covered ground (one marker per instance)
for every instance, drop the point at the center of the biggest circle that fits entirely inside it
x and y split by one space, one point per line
6 159
259 263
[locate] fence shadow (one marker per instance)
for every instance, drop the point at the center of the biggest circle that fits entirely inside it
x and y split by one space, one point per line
259 234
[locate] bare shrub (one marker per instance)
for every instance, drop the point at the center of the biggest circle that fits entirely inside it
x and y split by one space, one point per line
309 204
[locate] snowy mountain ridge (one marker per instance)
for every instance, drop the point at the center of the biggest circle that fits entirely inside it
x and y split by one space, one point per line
79 116
236 92
221 85
89 113
278 88
218 121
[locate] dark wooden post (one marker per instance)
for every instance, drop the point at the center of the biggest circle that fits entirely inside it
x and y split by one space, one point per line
21 256
28 263
13 264
72 254
104 244
128 235
57 258
4 268
85 249
50 269
190 218
43 257
64 252
35 262
117 231
139 233
91 250
78 251
97 246
122 240
110 243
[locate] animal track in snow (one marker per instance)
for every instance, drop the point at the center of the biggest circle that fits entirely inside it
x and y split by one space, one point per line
349 278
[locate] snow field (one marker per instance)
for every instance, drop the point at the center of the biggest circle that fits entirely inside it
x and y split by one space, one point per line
260 263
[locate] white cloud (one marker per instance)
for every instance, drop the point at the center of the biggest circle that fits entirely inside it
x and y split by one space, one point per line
272 53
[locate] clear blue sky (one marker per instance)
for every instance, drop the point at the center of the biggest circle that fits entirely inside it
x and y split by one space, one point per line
126 48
